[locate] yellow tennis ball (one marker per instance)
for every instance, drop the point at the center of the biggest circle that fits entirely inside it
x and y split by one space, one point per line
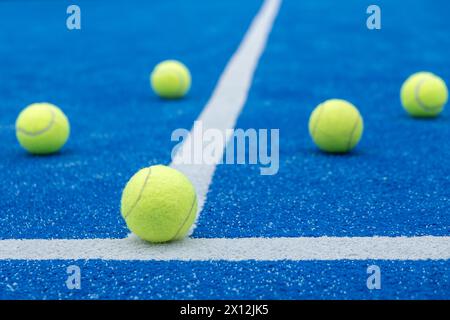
424 95
42 128
170 79
159 204
336 126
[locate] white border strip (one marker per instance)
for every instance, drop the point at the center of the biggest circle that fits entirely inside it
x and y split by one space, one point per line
228 98
260 249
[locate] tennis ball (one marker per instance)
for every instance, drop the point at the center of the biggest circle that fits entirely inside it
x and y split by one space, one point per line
42 128
170 79
336 126
424 95
159 204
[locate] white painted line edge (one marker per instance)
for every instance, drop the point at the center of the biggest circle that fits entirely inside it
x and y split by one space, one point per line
216 249
228 97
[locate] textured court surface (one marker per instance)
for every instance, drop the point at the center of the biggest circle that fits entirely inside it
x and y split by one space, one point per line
394 184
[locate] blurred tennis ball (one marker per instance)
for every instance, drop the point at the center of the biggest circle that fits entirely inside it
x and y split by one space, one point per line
170 79
424 94
42 128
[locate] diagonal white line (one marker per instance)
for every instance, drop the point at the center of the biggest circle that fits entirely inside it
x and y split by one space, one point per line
228 98
259 249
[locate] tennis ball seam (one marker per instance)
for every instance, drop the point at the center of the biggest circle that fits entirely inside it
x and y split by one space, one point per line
419 101
39 132
350 140
141 192
181 85
175 77
186 219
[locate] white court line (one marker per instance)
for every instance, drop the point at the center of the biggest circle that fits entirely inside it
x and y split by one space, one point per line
228 98
261 249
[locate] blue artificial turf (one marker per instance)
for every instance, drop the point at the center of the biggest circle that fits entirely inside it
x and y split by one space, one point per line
395 183
225 280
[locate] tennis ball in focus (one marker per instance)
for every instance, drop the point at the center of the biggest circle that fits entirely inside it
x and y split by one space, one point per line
159 204
42 128
336 126
170 79
424 95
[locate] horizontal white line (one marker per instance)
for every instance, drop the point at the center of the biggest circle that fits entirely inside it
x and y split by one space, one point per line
262 249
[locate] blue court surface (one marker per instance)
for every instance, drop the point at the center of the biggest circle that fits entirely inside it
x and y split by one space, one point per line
394 185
